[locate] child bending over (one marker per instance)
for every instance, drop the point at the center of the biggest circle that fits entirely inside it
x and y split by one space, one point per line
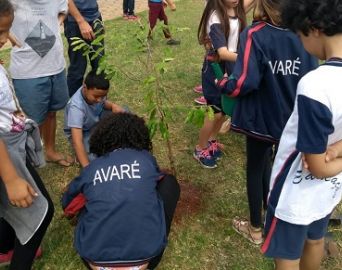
129 202
83 112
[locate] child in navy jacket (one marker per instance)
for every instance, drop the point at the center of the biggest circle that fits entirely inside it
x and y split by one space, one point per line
270 62
129 203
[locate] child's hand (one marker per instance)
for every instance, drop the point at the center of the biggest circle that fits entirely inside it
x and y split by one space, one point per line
20 193
331 153
13 40
86 30
116 108
221 83
171 4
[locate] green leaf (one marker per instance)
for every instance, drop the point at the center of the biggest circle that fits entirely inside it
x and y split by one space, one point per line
78 47
97 53
98 40
164 131
211 113
152 127
169 59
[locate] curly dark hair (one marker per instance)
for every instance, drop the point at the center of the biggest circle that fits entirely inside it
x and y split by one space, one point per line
305 15
120 130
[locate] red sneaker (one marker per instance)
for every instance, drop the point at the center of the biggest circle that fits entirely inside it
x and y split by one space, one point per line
125 16
201 100
198 89
5 258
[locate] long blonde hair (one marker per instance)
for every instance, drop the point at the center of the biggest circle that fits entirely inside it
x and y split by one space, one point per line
268 11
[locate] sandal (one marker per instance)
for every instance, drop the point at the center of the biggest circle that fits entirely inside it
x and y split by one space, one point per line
242 227
62 161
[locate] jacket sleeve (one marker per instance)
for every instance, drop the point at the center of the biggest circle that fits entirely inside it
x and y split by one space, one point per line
73 190
248 69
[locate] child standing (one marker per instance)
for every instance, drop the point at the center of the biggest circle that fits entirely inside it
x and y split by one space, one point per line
301 200
218 31
38 67
270 62
156 11
83 112
26 209
129 204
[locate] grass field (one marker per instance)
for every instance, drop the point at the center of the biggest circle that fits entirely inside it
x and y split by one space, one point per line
202 238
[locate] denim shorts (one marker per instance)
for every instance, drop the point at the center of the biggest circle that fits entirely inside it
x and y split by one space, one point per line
39 96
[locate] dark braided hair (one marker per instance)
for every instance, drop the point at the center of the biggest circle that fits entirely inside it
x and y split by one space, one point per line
305 15
6 8
120 130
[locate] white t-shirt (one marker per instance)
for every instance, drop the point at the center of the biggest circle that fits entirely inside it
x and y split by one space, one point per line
217 36
37 29
11 118
316 122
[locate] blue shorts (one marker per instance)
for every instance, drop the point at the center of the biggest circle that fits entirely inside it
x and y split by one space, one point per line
211 93
39 96
286 240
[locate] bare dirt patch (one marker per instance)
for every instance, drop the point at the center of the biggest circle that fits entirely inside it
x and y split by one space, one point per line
190 202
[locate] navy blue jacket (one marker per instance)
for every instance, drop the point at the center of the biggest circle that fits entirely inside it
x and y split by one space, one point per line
123 219
271 61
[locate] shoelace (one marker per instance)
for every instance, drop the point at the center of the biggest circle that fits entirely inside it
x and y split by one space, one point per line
205 153
215 146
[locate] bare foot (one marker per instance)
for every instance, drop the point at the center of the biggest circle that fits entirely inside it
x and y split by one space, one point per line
60 159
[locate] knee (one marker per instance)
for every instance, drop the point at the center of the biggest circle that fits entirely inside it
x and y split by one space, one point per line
317 242
169 186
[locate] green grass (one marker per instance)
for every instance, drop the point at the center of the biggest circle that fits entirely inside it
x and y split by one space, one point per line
201 240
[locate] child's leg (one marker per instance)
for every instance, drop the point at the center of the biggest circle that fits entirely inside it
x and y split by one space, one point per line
281 264
7 236
258 172
312 255
169 191
153 14
23 255
209 130
217 126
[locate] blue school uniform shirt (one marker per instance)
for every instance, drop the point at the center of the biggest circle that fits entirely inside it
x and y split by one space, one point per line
123 219
296 196
271 60
88 8
79 114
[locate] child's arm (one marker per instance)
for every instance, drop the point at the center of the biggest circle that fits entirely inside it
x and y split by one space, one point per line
247 72
226 55
171 4
108 105
77 142
333 151
73 191
61 18
318 166
85 29
20 193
